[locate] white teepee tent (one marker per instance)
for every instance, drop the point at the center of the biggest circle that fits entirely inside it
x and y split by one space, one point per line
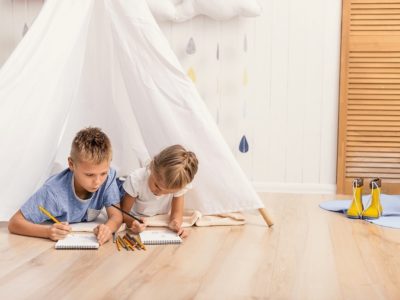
106 63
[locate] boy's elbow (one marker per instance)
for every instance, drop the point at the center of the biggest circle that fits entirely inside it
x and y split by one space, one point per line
11 225
10 229
14 222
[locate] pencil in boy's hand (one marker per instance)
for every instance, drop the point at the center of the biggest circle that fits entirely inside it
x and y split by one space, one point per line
46 212
128 214
43 210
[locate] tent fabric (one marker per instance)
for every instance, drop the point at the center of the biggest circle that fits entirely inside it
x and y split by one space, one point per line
107 64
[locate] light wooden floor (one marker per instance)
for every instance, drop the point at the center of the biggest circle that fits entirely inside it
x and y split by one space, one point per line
308 254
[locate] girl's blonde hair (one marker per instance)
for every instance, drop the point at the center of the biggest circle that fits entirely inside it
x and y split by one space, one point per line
175 167
91 144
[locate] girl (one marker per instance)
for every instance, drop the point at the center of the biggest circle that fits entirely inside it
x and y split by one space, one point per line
160 188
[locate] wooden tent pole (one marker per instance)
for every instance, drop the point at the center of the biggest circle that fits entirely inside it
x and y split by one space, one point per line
266 217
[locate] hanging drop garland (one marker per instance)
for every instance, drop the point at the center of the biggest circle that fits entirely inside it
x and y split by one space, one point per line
25 29
244 145
191 47
192 74
245 77
218 85
190 50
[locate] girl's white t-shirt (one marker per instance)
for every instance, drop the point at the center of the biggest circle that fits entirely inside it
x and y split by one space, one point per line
146 203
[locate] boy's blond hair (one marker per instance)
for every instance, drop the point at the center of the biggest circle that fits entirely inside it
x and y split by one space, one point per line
175 167
91 144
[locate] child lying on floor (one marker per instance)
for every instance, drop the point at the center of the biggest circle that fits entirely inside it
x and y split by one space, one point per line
76 194
160 188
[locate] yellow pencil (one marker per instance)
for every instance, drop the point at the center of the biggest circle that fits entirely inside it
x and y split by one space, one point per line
43 210
128 243
118 245
123 244
139 242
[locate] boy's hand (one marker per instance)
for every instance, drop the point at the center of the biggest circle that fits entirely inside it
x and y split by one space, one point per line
176 226
103 233
137 227
59 231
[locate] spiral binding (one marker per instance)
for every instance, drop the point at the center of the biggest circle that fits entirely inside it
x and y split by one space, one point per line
162 242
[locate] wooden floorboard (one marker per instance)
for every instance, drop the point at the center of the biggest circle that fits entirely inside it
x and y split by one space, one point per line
308 254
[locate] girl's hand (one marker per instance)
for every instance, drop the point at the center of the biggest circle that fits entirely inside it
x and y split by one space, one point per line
103 233
176 226
137 227
59 231
183 233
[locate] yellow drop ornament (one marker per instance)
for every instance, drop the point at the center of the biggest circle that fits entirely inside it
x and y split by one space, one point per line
192 74
245 77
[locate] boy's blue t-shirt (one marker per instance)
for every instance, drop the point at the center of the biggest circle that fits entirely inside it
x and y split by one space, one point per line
57 195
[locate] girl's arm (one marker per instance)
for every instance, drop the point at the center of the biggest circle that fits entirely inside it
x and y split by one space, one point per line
126 204
176 218
104 231
19 225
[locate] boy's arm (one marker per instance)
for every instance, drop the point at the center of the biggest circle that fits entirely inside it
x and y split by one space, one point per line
19 225
176 217
114 218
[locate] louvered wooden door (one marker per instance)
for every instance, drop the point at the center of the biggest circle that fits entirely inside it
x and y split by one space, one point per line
369 112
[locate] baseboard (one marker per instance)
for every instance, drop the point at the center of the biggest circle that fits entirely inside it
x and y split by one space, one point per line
303 188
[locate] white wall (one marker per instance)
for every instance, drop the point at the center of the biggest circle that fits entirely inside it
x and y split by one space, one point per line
288 109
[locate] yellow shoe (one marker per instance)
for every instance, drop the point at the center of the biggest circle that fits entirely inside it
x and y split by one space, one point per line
356 207
374 211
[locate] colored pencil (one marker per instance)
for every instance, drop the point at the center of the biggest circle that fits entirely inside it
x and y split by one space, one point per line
123 244
128 214
118 245
43 210
54 219
139 242
128 243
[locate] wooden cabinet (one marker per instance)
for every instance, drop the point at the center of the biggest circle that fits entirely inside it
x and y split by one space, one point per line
369 112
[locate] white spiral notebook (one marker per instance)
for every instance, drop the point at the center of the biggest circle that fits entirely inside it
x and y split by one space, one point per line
159 237
78 241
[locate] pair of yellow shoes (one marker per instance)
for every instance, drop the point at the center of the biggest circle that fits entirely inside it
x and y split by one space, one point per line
356 209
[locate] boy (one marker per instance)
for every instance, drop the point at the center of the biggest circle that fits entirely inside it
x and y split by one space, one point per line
76 194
